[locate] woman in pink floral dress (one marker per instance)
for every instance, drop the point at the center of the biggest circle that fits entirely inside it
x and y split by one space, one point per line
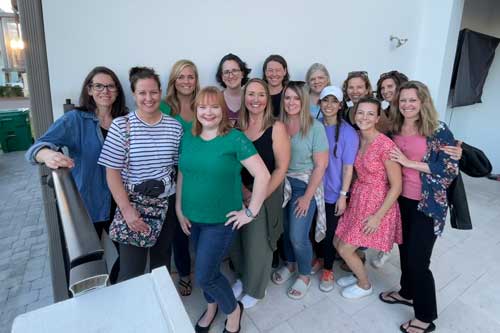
372 218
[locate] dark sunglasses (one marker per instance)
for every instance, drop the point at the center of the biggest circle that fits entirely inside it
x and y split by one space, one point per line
358 73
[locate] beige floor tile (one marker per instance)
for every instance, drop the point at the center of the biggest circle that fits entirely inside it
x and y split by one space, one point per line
463 318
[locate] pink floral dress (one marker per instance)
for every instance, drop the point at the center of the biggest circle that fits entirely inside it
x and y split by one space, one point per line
367 195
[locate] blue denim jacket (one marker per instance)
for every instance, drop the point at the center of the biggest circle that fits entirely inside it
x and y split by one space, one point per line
80 132
444 169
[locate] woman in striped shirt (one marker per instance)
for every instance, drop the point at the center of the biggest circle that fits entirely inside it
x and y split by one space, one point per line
153 152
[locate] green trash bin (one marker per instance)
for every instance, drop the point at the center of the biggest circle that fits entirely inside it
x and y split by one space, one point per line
15 130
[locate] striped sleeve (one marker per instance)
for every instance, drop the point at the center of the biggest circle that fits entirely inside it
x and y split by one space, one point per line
113 151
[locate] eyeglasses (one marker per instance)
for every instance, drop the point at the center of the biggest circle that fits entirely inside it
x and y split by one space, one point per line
232 71
100 87
358 73
388 74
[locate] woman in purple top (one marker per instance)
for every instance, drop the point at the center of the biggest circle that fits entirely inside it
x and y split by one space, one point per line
344 142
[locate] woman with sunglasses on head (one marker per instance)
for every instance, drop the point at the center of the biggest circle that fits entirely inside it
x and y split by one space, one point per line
232 74
275 74
344 142
83 131
183 85
372 218
356 85
304 188
140 154
252 250
210 163
427 173
317 78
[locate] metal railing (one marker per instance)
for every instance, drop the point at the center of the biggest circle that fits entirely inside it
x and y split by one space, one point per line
87 268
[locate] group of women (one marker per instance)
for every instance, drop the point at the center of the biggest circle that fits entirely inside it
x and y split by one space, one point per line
260 160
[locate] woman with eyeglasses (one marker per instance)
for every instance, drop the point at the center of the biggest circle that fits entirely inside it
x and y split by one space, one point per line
317 78
304 188
252 250
275 74
183 85
232 74
356 86
372 218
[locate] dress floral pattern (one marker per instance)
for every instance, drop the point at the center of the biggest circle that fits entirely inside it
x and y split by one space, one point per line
368 193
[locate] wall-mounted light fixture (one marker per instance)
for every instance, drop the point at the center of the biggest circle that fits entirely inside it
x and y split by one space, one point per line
396 41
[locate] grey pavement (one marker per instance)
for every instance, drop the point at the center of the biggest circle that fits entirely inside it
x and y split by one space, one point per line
25 282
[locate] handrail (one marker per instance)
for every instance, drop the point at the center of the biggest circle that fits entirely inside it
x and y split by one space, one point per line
85 253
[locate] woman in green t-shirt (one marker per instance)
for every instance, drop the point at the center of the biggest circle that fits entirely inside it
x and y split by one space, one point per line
183 85
210 203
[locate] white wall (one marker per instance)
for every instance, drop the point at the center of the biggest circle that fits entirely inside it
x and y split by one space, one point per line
478 124
344 35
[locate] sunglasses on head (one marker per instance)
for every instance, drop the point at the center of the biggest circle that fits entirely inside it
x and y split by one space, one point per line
358 73
299 84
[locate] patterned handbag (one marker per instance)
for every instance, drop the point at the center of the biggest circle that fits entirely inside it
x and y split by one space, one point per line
152 210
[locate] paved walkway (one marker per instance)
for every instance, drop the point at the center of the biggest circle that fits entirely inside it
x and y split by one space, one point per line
465 266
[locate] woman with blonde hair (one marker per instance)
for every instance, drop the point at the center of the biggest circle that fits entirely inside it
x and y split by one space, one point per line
428 170
317 78
304 188
182 87
253 247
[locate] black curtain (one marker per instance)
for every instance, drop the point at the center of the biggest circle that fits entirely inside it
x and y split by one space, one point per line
475 53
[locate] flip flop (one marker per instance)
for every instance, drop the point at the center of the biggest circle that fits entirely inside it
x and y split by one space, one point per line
185 287
281 275
300 286
430 328
390 299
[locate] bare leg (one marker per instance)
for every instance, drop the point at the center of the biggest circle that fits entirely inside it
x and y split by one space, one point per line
348 253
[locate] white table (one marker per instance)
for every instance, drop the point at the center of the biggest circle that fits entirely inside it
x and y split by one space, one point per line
148 303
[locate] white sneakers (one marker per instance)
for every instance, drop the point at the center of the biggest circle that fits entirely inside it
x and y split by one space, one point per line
248 301
351 289
237 288
380 260
354 291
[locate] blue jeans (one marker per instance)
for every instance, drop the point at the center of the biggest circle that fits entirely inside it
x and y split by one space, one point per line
297 245
212 243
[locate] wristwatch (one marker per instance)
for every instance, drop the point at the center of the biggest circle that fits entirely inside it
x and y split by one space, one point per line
249 213
345 194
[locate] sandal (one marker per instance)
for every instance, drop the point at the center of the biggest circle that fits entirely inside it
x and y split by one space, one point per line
299 287
185 287
282 275
390 299
428 329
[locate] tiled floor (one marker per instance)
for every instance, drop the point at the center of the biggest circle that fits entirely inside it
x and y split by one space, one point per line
466 268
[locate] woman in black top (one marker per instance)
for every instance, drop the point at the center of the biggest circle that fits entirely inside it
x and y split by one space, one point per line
276 75
253 246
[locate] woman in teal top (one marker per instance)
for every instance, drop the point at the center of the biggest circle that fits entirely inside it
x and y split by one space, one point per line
183 85
210 199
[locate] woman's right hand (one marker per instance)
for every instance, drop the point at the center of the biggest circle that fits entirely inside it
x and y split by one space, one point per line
185 224
54 159
135 221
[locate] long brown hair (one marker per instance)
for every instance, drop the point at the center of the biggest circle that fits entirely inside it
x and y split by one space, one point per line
306 120
210 93
268 118
172 99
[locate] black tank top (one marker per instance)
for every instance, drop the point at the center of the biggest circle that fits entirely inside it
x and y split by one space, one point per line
264 146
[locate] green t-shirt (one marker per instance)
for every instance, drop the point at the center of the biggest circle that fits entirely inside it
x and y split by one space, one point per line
166 109
211 177
303 147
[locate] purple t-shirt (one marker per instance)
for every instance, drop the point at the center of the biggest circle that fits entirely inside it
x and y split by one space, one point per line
347 147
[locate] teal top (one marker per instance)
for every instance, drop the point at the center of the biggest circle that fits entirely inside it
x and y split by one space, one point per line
211 180
166 109
303 147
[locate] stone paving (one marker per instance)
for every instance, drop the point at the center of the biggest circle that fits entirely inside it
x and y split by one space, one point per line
25 282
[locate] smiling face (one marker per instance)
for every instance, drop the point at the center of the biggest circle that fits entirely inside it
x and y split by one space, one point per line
318 81
292 103
209 112
185 83
255 98
275 73
147 96
107 96
231 74
356 88
409 104
388 89
366 116
330 106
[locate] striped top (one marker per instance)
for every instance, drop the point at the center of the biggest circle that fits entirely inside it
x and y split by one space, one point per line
154 149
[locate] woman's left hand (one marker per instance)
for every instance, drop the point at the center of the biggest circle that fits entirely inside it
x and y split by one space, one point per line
397 155
371 224
238 218
455 152
301 206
